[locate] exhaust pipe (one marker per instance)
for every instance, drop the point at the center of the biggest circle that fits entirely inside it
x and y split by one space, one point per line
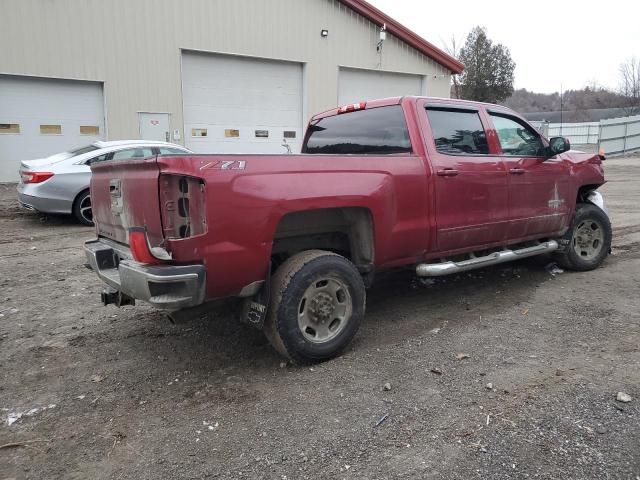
447 268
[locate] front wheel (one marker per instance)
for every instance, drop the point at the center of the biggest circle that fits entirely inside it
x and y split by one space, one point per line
589 239
318 302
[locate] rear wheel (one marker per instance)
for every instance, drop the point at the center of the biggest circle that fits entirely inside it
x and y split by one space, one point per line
589 239
82 208
318 302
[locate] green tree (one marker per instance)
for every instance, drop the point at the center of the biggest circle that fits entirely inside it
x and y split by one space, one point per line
488 69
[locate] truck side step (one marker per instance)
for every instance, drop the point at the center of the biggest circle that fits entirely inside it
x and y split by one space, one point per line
506 255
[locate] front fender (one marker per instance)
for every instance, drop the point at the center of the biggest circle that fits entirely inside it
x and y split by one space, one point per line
597 199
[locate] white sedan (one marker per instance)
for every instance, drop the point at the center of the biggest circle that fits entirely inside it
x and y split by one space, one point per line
60 183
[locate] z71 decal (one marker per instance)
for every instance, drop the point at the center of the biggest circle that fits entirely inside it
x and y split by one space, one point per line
225 165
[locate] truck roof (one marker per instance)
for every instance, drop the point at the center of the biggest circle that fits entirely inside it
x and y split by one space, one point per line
384 102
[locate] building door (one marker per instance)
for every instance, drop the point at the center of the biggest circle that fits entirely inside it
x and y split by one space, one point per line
154 126
40 117
359 85
234 104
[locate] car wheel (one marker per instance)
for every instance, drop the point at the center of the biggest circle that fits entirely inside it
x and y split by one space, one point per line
589 239
82 208
317 305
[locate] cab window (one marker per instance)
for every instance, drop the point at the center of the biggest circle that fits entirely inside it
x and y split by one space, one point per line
373 131
457 132
516 137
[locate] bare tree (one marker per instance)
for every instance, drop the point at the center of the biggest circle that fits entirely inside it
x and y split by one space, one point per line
630 85
452 49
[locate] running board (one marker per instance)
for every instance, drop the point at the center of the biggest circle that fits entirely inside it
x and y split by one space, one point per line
447 268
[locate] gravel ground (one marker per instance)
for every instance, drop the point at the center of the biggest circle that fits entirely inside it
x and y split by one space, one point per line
502 373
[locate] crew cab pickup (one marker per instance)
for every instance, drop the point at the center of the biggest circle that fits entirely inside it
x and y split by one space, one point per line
437 185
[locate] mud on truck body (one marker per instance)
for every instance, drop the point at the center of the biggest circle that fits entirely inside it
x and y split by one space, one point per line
437 185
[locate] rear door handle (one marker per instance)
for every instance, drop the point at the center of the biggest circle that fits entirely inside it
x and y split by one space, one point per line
448 172
517 171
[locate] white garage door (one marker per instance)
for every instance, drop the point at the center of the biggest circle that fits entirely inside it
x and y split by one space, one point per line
356 85
40 117
241 105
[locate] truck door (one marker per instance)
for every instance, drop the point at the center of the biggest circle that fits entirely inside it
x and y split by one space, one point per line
539 197
470 183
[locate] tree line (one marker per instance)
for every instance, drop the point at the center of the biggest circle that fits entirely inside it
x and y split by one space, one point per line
488 76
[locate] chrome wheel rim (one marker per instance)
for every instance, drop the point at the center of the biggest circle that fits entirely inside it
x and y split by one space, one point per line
324 310
588 239
85 209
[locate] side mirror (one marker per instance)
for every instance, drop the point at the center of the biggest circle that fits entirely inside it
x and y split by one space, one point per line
558 145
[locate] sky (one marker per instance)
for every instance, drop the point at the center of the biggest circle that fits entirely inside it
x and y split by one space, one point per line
553 42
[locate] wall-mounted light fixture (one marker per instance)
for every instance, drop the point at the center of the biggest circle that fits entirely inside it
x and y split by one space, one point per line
324 33
383 36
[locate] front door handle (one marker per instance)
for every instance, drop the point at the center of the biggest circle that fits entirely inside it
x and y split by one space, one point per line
517 171
448 172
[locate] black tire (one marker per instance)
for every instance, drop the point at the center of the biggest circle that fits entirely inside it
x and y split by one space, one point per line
587 216
290 286
85 217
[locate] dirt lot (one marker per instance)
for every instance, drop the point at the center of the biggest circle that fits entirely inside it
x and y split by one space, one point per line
108 393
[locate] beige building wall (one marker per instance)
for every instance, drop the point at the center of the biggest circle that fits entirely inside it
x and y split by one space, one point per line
134 47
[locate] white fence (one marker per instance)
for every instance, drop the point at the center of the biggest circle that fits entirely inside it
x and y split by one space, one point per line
577 133
615 136
620 135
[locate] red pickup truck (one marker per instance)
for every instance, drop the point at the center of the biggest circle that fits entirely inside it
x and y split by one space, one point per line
438 185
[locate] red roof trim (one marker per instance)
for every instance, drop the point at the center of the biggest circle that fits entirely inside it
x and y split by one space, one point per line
403 33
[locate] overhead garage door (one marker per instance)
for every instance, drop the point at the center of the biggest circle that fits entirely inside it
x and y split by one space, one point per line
241 105
40 117
357 85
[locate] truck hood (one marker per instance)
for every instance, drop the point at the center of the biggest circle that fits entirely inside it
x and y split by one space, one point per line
578 156
586 167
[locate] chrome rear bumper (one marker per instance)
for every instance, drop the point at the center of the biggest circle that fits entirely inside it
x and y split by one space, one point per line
167 287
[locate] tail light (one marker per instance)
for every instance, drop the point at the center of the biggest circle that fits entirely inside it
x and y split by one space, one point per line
34 177
183 206
352 107
139 245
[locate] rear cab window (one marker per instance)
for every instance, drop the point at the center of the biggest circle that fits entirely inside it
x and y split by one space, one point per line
457 131
374 131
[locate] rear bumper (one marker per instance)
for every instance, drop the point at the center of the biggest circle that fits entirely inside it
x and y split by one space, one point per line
167 287
44 204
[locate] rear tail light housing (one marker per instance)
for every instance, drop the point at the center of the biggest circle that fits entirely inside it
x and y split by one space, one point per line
183 203
34 177
139 246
